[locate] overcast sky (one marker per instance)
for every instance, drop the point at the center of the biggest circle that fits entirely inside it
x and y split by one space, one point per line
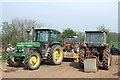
79 15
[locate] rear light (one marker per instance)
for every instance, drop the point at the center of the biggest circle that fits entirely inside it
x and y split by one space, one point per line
105 45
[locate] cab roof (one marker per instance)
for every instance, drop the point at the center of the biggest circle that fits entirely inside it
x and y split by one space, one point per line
95 31
46 28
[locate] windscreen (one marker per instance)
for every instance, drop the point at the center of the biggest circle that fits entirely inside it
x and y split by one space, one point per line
94 38
41 35
70 40
54 36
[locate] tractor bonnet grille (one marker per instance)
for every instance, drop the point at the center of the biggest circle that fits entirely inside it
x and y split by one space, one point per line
27 50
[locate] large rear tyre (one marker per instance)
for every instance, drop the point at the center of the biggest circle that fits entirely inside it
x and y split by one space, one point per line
55 55
33 60
107 58
81 57
12 61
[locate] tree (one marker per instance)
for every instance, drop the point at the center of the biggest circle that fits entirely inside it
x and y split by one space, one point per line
80 36
114 36
66 33
16 30
102 28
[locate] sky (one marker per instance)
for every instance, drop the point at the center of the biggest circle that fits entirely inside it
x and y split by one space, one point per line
79 15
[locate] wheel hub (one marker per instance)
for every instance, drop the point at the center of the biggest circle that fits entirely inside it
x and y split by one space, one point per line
33 60
56 55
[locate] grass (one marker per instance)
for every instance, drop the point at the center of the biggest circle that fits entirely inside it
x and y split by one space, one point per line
3 59
116 44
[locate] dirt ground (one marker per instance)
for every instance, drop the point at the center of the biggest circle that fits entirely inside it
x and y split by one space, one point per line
65 70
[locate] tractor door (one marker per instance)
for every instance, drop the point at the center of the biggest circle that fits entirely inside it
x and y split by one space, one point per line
42 37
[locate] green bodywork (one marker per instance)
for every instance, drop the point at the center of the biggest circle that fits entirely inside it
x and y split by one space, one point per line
22 45
29 44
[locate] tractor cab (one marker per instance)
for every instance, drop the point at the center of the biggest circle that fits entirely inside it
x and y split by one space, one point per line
95 38
70 39
46 37
70 43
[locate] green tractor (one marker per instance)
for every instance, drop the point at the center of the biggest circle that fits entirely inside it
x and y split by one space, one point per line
45 46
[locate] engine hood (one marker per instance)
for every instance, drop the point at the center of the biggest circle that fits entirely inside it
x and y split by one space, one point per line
28 44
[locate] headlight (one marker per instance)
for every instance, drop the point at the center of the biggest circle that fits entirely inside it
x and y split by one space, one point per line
22 50
19 50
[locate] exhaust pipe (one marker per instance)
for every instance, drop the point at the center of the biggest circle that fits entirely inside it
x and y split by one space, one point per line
28 31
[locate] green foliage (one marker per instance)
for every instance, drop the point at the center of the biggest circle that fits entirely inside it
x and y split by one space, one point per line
116 44
8 33
4 57
66 33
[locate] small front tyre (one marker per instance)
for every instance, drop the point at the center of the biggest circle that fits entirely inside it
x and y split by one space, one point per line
33 60
12 61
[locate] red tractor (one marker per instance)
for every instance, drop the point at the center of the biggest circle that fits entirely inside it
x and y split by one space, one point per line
70 43
95 45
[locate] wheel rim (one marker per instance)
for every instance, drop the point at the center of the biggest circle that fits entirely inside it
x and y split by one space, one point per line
58 55
34 60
